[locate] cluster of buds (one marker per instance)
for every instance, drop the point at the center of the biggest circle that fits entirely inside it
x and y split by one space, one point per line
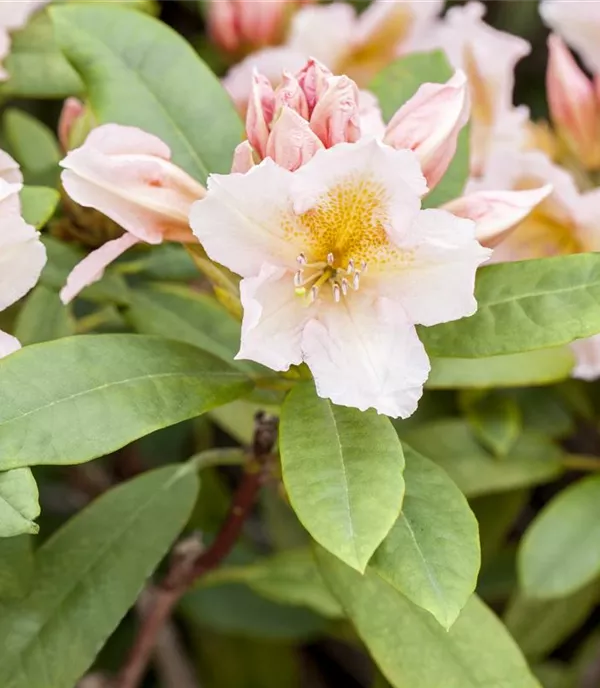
314 109
238 27
574 102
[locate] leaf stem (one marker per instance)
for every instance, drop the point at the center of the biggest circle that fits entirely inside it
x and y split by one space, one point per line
188 567
581 462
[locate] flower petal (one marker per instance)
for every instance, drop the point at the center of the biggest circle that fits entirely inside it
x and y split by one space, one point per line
92 267
8 344
363 352
243 158
335 118
436 282
587 355
371 119
22 257
244 220
578 22
292 143
273 319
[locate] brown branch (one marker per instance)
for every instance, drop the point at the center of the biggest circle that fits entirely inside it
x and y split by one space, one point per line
187 567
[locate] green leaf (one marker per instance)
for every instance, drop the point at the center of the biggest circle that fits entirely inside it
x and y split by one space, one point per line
560 552
19 505
77 398
342 470
523 306
412 649
16 566
43 317
532 460
169 92
513 370
431 555
540 626
398 82
34 147
38 204
36 66
289 577
88 575
163 262
496 514
495 421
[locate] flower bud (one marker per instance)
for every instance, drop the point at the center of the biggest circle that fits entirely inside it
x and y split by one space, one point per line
313 81
243 158
289 94
429 124
292 143
261 110
572 101
335 118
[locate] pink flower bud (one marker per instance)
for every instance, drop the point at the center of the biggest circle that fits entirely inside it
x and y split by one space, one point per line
572 103
496 213
335 118
292 143
243 158
429 124
261 110
313 81
289 94
71 111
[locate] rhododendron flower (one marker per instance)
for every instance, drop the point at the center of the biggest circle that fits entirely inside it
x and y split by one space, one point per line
574 104
239 26
339 264
347 43
22 254
488 57
14 16
126 174
578 22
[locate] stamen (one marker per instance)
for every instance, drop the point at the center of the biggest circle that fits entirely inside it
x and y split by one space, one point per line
299 278
363 265
350 269
336 292
301 259
330 258
356 280
345 286
314 292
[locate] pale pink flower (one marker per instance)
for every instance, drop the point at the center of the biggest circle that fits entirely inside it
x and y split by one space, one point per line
339 264
14 15
346 42
488 57
126 173
578 22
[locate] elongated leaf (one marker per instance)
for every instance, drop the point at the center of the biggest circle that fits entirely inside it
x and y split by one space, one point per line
513 370
412 649
560 552
496 513
169 92
43 317
16 566
523 306
540 626
343 473
290 577
19 505
398 82
77 398
38 204
533 459
88 575
431 555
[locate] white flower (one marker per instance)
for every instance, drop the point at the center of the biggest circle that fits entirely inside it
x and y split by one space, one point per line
339 263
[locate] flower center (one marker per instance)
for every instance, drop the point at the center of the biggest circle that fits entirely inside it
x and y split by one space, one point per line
312 277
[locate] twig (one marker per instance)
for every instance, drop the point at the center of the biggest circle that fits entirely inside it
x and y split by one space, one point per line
187 567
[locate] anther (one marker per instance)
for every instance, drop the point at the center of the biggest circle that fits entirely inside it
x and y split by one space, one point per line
298 278
350 269
330 258
363 265
345 286
301 259
356 280
336 292
314 292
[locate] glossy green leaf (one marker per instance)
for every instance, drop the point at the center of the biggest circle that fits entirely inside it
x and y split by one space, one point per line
540 626
290 577
33 145
398 82
77 398
523 306
36 66
495 420
431 555
412 649
19 506
560 552
169 92
163 262
43 317
532 460
38 204
88 575
16 566
342 470
513 370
